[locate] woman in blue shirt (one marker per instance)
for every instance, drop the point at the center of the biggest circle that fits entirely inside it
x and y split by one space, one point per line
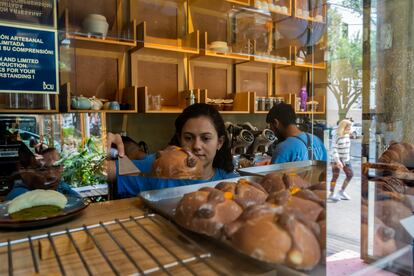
199 128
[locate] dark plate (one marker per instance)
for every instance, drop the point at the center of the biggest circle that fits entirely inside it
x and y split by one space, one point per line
73 207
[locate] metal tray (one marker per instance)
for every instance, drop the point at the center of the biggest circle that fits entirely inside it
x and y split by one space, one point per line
313 171
164 201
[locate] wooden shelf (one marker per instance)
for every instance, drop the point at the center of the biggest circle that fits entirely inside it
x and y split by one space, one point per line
127 95
187 45
275 9
321 110
312 13
84 40
30 111
210 55
145 106
310 65
272 58
239 2
306 65
241 102
37 101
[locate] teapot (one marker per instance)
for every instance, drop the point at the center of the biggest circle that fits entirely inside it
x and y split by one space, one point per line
96 104
114 105
95 24
80 102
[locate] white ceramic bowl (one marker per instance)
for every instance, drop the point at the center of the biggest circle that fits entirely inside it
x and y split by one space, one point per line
95 24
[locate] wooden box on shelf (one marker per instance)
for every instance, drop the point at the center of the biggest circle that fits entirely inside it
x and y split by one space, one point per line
239 2
240 105
28 103
257 77
274 7
221 51
258 107
279 56
162 25
315 105
127 97
313 59
188 44
95 73
314 10
118 35
149 103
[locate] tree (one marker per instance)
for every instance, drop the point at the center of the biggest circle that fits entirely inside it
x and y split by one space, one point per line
345 72
355 5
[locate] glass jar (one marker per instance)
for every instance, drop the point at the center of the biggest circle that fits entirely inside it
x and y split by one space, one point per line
261 104
268 104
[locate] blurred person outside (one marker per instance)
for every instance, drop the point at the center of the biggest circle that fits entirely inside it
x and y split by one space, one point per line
341 159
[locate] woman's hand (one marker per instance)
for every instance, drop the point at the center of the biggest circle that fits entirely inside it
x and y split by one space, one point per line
115 139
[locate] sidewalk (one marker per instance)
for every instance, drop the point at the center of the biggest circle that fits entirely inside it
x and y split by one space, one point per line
344 217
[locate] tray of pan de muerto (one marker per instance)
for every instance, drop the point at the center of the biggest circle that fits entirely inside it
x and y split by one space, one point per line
277 220
313 169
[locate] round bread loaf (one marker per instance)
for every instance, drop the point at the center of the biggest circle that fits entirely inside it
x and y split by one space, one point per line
206 211
244 192
177 163
402 153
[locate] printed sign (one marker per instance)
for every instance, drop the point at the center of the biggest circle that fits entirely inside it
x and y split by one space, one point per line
39 12
28 60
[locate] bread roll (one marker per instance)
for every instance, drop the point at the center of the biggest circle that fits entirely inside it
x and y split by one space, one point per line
273 183
402 153
177 163
244 192
37 198
206 211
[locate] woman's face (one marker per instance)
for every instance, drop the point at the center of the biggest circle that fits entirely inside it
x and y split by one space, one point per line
200 136
347 129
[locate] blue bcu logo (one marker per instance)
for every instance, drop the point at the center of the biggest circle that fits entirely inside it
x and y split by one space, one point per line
28 60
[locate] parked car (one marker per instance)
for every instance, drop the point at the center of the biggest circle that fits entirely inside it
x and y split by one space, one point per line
25 136
356 130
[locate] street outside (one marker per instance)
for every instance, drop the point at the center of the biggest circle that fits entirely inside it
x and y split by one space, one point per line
344 217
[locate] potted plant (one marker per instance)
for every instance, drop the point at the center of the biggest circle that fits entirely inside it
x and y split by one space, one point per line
85 166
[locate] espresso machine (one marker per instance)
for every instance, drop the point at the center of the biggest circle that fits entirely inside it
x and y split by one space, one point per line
240 138
262 141
249 145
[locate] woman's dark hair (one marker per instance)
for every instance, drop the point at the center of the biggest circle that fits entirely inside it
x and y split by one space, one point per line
223 159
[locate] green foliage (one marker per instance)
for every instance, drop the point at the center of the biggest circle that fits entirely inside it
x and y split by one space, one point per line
68 132
84 167
354 5
345 71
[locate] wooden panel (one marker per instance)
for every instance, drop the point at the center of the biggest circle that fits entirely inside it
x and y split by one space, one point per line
78 10
216 27
96 76
160 78
212 79
289 81
254 81
161 18
15 102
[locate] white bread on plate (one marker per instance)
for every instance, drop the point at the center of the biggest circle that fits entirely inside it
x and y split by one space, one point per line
37 198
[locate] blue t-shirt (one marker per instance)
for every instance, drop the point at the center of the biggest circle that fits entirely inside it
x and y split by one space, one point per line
128 186
292 149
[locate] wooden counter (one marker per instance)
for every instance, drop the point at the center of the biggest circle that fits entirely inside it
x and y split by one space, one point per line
222 259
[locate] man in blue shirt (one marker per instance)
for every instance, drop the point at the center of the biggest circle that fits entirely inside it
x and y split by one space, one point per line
296 145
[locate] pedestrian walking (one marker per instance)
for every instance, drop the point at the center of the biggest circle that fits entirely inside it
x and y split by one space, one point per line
341 159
